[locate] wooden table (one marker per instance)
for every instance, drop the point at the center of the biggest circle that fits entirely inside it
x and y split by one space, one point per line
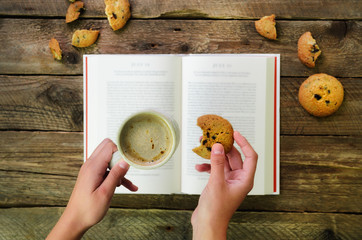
41 115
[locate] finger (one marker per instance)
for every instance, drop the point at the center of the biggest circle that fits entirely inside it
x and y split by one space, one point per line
99 148
235 160
115 175
100 160
97 164
227 167
251 156
127 184
217 163
205 167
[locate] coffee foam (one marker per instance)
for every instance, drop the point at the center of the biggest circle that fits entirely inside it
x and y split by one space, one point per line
146 139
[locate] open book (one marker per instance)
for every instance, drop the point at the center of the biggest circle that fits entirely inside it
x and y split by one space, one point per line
242 88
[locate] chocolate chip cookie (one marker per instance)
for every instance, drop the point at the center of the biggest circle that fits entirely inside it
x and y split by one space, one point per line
118 12
321 95
84 38
308 50
215 130
73 11
266 27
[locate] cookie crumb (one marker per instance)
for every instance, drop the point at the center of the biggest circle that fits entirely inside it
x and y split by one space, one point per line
118 12
55 49
73 11
266 27
308 50
84 38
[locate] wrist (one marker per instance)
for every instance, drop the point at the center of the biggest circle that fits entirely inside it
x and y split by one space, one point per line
68 227
72 220
209 231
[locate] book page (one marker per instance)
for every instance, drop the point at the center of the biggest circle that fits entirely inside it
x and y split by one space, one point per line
120 85
234 87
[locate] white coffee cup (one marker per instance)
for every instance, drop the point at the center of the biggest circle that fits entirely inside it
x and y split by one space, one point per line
146 140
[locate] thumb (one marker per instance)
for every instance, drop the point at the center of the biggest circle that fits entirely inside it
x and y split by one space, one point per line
114 177
217 163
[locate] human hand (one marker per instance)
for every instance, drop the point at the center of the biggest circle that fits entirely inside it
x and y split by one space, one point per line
230 181
92 193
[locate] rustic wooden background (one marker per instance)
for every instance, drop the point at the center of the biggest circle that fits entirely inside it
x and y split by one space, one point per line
41 115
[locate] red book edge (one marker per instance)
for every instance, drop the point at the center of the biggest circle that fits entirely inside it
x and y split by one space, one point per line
275 124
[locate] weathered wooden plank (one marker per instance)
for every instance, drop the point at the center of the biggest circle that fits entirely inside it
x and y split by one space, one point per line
246 225
55 103
36 223
321 174
51 153
295 120
25 51
41 103
219 9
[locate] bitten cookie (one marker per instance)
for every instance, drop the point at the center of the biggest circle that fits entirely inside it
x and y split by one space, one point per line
266 27
308 50
55 49
84 38
73 11
321 95
215 130
118 12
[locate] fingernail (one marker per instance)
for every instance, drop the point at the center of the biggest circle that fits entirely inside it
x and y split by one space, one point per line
217 149
123 164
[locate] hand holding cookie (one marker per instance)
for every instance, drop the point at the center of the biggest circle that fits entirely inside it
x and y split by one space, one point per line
230 181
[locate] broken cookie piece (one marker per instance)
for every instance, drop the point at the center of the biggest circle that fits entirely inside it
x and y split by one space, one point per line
118 12
84 38
266 27
215 130
73 11
308 50
55 49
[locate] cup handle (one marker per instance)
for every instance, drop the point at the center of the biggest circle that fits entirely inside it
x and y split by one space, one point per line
116 157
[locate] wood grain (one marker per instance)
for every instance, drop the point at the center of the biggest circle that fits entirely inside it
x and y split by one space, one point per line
294 120
55 103
41 103
216 9
321 164
318 174
171 224
26 51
